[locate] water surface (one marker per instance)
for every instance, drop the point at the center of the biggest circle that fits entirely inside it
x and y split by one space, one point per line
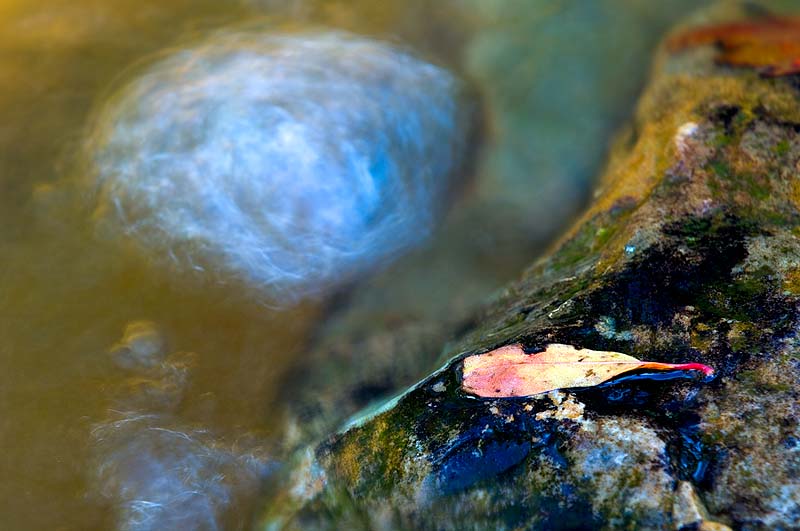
556 79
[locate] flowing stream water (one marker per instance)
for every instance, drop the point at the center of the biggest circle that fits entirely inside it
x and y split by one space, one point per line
67 293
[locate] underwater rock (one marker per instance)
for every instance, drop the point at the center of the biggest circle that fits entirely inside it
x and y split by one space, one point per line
142 346
290 162
689 252
159 475
156 470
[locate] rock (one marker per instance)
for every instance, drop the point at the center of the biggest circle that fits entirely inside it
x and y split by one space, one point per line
158 474
157 380
290 162
685 255
142 347
623 462
156 470
754 426
393 325
689 512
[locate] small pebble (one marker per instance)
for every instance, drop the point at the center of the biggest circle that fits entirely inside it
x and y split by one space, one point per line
142 347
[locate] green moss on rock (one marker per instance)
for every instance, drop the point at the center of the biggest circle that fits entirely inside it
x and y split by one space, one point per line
690 250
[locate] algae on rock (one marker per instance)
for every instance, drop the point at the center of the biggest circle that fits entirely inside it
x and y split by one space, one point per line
688 253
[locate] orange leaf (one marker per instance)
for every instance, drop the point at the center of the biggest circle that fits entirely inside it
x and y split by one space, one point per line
771 45
508 371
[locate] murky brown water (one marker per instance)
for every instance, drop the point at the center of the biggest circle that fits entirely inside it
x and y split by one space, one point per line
65 298
66 295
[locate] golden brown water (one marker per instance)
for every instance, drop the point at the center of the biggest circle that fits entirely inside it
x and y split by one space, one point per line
66 295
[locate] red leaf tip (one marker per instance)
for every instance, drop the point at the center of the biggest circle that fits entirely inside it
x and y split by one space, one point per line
705 369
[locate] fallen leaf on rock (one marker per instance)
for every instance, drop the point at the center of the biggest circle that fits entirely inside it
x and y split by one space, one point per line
510 372
770 45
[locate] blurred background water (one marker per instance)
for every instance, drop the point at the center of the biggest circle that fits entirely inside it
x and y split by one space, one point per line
556 79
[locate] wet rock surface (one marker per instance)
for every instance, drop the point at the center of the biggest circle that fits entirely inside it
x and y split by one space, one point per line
688 254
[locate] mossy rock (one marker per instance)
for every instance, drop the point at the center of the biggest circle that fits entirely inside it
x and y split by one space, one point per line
690 252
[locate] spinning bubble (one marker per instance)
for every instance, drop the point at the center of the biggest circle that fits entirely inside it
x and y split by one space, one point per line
292 162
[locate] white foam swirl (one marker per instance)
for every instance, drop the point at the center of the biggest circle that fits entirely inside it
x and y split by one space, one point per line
293 162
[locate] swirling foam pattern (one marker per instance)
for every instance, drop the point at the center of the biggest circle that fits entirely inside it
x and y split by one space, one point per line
293 162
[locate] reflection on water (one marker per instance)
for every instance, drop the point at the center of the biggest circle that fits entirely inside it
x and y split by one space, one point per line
129 389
